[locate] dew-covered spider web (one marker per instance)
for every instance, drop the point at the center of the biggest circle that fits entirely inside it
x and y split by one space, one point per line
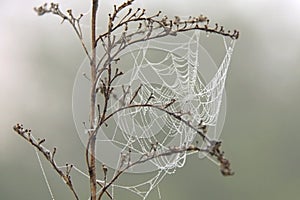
175 73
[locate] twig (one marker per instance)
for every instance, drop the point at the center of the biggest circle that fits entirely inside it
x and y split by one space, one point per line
26 134
75 22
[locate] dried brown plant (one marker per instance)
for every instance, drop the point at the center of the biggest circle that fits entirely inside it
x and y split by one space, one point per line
99 115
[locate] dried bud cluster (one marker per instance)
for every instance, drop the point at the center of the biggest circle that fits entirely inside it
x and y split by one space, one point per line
214 150
41 10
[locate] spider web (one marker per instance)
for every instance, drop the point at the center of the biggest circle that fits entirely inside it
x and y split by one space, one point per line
165 70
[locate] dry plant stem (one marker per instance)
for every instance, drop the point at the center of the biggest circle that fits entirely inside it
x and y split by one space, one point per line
113 45
26 134
106 192
163 109
91 147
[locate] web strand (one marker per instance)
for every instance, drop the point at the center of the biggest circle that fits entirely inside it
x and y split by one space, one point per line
44 174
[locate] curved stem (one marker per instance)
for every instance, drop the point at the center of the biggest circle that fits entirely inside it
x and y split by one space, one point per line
92 136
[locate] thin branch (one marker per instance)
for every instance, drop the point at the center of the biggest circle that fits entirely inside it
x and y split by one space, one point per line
26 134
135 94
107 192
195 23
163 109
75 22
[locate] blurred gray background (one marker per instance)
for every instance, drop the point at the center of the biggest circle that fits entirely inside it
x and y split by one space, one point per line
39 59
